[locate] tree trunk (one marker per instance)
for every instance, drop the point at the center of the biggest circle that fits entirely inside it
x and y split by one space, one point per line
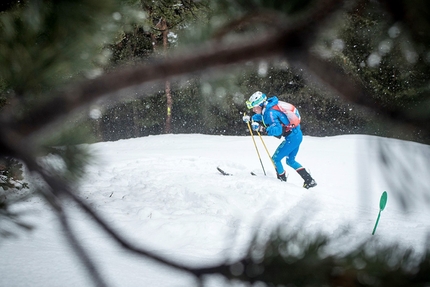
162 26
168 127
136 119
169 102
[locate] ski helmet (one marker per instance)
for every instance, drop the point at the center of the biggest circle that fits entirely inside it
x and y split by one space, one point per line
257 99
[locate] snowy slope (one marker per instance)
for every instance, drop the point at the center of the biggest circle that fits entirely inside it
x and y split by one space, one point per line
164 193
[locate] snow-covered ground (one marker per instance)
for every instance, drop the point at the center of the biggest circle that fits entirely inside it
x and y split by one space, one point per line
165 194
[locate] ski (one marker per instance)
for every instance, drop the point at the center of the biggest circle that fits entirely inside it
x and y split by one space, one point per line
228 174
222 171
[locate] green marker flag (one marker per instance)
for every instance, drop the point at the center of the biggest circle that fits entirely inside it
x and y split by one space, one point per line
382 203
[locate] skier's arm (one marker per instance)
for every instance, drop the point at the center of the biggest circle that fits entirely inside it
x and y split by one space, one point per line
275 128
257 118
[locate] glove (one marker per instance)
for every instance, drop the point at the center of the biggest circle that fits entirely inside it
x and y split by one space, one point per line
257 118
246 118
255 126
276 131
269 130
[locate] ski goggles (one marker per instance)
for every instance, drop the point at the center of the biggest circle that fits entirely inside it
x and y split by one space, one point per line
258 102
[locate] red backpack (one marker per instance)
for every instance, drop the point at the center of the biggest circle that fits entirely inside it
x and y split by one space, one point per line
291 112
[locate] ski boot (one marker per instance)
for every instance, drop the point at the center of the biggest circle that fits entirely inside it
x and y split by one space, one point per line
309 181
282 177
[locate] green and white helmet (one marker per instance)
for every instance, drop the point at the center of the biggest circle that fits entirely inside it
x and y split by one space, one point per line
257 99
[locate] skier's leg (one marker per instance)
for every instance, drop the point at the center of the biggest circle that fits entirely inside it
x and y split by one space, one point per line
291 159
279 154
294 140
309 181
285 149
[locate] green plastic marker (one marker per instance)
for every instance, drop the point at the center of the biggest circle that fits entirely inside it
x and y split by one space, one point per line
382 204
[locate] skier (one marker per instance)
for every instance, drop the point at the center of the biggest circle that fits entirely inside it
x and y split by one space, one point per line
279 119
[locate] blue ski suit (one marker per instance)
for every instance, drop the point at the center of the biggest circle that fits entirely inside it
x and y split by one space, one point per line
273 119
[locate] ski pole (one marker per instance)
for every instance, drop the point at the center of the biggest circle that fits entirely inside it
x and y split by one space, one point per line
255 144
267 151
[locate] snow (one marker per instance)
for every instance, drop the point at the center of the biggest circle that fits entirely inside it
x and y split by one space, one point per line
164 193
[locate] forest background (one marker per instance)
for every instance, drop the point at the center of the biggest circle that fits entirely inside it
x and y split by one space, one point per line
369 46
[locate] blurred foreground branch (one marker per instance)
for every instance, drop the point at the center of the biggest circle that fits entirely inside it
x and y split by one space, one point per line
272 261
